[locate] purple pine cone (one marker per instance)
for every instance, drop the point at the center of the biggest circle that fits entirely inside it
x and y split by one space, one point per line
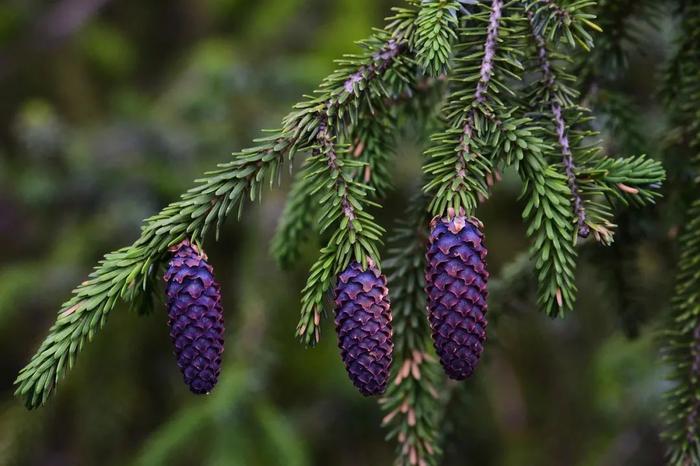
455 283
363 323
195 317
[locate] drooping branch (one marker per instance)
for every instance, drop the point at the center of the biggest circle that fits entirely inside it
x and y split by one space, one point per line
569 22
486 69
549 81
413 403
126 274
435 30
682 351
461 161
371 140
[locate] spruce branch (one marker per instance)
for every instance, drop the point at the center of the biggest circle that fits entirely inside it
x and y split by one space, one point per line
355 235
124 274
567 19
372 147
592 196
412 403
549 81
372 140
550 227
682 348
435 30
458 168
632 181
682 351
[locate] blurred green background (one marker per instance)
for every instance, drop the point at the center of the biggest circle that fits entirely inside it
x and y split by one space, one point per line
109 109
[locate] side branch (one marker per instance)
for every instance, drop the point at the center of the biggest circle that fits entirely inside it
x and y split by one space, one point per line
569 22
327 149
682 351
130 272
486 70
461 156
485 74
549 80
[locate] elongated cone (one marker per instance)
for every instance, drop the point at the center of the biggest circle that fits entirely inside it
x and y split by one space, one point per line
363 324
195 317
455 283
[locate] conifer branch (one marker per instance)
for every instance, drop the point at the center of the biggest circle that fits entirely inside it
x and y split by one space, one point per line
413 402
487 63
548 211
356 235
566 19
682 91
549 81
457 169
632 181
371 140
126 273
683 351
436 28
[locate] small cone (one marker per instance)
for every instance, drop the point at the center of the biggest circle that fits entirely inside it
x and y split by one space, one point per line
363 324
195 317
455 283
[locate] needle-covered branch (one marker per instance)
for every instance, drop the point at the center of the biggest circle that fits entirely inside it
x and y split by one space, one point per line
126 274
683 351
682 91
412 403
555 102
463 154
436 28
555 98
548 213
355 234
568 20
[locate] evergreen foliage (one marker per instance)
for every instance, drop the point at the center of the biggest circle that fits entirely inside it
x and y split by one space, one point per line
514 100
682 338
412 403
435 31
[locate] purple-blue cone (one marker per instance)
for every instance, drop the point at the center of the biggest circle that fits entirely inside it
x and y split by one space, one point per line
456 286
195 317
363 324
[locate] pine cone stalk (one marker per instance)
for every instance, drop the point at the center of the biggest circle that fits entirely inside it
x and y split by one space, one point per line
363 324
456 287
195 316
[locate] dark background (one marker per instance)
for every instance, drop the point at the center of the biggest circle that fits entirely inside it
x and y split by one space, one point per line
109 110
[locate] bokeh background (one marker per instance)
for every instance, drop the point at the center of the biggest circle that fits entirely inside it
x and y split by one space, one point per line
109 109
